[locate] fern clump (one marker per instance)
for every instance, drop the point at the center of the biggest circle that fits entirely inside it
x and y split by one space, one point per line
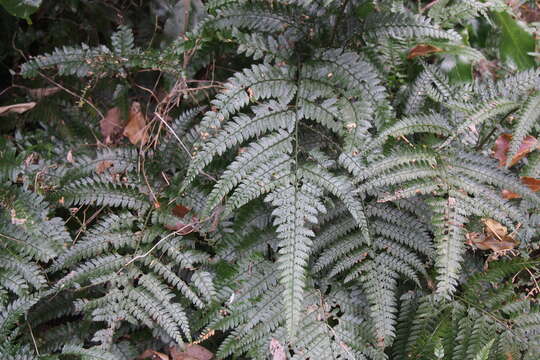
293 180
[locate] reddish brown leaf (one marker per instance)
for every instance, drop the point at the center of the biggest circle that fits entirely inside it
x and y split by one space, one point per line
192 352
507 194
530 143
135 129
532 183
152 354
423 50
502 144
199 352
16 108
102 166
180 211
494 238
494 228
500 151
111 124
181 228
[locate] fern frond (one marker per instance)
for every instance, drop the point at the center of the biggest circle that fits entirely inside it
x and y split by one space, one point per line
99 191
259 152
87 354
431 123
405 26
295 206
449 219
482 114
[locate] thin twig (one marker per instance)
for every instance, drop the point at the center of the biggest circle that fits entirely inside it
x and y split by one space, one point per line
157 244
33 338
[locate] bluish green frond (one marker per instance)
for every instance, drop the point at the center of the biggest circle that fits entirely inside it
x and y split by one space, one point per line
295 207
122 41
342 188
87 354
481 114
98 191
11 314
258 152
405 26
449 220
430 123
266 178
111 232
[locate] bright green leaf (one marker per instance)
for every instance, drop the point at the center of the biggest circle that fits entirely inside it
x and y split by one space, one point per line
21 8
515 43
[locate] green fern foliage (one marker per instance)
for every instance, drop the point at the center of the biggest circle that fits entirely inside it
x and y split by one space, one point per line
309 180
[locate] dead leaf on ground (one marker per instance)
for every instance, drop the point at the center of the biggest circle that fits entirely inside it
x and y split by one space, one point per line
16 108
422 50
494 228
530 182
182 228
40 93
502 145
495 237
102 166
192 352
180 211
483 242
111 124
135 129
152 354
277 350
509 195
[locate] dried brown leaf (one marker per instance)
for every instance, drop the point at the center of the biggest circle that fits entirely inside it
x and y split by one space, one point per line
40 93
488 241
16 108
135 129
111 124
500 151
532 183
102 166
508 195
494 228
181 228
423 50
152 354
502 144
529 13
180 211
192 352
